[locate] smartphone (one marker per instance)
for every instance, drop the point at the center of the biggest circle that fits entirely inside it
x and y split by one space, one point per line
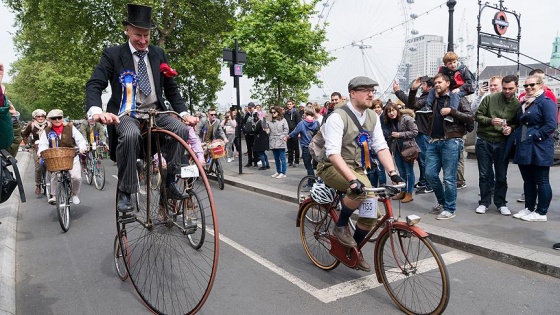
485 83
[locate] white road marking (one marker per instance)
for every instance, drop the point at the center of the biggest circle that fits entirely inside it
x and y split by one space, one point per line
341 290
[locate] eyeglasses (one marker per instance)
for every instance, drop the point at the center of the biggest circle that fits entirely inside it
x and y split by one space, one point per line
530 85
56 118
212 114
365 90
42 116
273 112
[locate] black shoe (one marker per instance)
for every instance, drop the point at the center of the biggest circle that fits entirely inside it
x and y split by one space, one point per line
556 246
248 165
255 165
290 164
419 185
268 167
262 168
174 192
123 202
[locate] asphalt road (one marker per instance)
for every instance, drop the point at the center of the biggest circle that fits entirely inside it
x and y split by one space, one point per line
262 268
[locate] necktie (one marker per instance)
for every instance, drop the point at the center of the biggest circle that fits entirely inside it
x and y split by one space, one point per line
143 80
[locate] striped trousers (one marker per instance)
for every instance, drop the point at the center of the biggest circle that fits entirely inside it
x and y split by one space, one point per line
130 143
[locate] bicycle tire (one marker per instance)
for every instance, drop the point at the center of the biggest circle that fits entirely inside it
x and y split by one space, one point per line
98 174
193 216
184 275
413 272
304 187
118 256
63 204
219 174
315 233
46 182
89 168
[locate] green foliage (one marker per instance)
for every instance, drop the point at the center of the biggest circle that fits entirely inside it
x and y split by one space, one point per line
284 53
60 42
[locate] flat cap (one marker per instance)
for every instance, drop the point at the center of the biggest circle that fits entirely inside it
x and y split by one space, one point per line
55 113
251 105
361 81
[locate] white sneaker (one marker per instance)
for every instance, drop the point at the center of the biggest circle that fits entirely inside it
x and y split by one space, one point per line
481 209
274 175
444 215
75 200
534 217
229 160
280 176
504 210
521 213
52 200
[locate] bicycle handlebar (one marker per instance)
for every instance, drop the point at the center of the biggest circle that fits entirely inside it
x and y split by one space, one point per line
383 188
151 112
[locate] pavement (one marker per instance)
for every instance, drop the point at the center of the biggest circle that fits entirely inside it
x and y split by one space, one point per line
512 241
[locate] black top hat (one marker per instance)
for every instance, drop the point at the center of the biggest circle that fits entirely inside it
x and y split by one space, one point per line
139 16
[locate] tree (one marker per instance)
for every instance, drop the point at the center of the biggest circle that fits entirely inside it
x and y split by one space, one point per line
284 52
60 42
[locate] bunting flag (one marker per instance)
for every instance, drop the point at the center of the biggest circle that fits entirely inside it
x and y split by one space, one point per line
363 139
128 80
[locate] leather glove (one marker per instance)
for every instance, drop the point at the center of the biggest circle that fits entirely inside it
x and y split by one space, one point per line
358 188
395 178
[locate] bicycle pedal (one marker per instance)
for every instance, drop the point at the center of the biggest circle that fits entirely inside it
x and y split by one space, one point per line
126 218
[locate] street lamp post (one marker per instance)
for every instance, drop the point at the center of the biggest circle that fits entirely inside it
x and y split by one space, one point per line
451 5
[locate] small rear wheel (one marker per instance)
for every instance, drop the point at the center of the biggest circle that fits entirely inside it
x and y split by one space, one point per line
46 182
63 204
413 272
89 168
315 224
119 255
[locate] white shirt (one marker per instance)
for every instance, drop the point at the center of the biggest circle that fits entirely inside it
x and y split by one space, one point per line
76 134
333 131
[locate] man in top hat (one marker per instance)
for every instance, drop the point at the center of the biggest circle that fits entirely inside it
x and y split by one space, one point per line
124 137
344 169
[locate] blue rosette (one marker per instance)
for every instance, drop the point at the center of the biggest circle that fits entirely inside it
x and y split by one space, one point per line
128 80
363 141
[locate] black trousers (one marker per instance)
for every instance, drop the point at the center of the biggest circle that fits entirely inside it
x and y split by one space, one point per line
130 142
293 150
253 157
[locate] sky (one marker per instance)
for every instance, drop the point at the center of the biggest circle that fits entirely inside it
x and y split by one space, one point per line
363 20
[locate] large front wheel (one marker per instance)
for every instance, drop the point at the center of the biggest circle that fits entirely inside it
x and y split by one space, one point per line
413 272
169 274
315 225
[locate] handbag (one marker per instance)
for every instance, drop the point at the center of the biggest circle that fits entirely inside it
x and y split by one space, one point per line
410 151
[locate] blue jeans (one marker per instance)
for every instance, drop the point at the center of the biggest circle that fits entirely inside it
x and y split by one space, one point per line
454 99
422 141
307 160
444 154
264 159
280 160
492 164
406 170
536 183
377 175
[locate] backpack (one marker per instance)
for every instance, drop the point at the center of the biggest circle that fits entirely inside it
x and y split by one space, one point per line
8 182
249 127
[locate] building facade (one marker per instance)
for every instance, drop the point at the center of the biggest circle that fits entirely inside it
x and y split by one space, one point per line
425 56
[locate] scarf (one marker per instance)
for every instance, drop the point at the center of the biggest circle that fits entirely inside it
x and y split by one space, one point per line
58 129
528 100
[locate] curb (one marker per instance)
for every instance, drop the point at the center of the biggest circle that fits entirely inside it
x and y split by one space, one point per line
8 232
510 254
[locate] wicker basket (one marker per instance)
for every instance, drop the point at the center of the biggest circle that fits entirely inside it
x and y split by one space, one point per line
217 149
59 159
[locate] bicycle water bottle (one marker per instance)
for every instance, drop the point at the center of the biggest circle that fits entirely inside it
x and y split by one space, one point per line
53 140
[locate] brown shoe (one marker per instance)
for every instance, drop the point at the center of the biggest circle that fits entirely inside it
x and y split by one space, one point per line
407 198
344 237
363 264
399 196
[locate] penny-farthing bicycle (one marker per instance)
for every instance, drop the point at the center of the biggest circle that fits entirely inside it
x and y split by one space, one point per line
153 246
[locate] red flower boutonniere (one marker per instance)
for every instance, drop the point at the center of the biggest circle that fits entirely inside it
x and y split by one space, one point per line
167 70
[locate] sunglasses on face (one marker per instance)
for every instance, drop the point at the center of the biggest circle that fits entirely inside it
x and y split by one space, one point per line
530 85
40 116
56 118
212 114
273 112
